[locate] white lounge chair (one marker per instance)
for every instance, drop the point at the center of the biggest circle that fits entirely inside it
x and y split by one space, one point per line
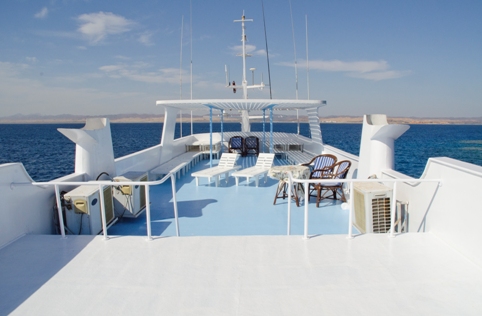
226 164
262 166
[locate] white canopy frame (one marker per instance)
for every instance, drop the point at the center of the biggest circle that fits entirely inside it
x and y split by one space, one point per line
241 105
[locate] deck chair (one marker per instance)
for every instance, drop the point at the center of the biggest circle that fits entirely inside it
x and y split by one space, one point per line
264 162
226 164
320 166
236 144
251 145
328 190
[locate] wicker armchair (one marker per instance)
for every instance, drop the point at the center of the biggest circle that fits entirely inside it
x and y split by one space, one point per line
320 166
329 190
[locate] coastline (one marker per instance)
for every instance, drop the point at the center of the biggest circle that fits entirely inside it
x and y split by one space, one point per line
145 118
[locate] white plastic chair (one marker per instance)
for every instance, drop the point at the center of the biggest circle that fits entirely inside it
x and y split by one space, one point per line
264 162
226 164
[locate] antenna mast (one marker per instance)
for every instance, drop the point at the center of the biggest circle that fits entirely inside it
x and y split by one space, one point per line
267 54
294 47
243 40
190 30
307 62
180 77
180 60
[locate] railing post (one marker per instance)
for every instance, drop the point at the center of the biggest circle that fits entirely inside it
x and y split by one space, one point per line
148 212
351 210
307 199
393 210
59 209
306 186
174 201
102 211
289 203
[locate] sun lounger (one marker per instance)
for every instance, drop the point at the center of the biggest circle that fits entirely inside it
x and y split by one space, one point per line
225 166
262 166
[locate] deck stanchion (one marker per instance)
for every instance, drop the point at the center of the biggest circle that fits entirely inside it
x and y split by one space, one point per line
210 137
393 210
148 213
102 211
264 130
222 132
271 145
305 235
59 209
174 201
289 205
351 210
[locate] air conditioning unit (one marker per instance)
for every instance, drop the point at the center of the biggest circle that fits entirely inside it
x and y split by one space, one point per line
84 217
130 200
372 207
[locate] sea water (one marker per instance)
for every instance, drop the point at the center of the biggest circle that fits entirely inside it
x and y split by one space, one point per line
47 154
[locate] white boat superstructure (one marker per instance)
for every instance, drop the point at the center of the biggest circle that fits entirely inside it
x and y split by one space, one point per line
166 246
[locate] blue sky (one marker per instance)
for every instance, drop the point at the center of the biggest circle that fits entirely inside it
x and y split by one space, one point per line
402 58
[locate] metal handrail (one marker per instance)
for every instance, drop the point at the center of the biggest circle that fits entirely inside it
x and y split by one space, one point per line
306 182
101 184
172 176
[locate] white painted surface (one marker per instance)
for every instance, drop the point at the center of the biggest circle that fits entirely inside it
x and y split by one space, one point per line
377 145
25 209
94 153
412 274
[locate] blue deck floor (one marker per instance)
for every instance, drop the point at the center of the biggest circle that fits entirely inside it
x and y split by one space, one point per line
230 210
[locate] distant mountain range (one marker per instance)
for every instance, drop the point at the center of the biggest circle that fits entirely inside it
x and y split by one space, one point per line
68 118
152 118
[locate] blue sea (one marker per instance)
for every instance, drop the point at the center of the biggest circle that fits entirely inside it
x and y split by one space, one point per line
47 154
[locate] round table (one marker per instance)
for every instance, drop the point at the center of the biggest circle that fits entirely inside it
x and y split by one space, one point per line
281 173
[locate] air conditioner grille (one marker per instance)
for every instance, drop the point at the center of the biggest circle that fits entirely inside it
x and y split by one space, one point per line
381 214
360 214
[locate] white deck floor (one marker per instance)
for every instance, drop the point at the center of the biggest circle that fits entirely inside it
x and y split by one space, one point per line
230 210
411 274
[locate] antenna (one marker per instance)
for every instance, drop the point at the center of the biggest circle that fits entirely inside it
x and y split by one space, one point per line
267 54
307 60
180 61
294 47
180 77
190 30
243 40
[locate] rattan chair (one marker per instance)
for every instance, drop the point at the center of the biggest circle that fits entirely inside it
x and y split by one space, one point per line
320 166
329 190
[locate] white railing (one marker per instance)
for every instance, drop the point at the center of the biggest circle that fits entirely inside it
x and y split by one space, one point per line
171 175
351 202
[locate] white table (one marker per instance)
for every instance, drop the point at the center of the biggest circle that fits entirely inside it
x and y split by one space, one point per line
281 173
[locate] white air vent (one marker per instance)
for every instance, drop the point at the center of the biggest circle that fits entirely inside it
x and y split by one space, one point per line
372 207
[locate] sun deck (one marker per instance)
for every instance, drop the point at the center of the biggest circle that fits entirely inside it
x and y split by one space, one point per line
411 274
230 210
234 258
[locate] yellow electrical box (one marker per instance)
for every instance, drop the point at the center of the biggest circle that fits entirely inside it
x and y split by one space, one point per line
126 189
80 206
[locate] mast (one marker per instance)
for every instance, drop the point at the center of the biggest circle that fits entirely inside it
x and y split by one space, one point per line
180 77
245 126
243 41
307 59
